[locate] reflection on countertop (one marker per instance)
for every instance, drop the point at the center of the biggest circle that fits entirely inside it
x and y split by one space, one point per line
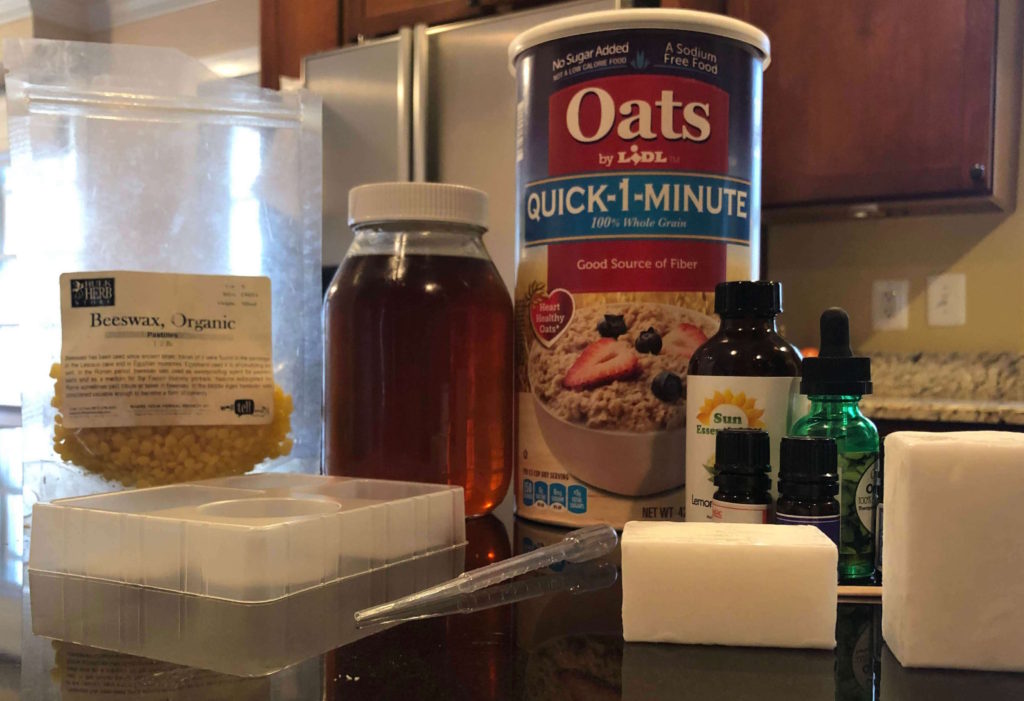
11 547
563 645
984 388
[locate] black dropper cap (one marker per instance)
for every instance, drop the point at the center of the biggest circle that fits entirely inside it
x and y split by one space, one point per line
808 467
745 298
836 370
742 459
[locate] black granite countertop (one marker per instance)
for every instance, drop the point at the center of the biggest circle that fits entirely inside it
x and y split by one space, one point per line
564 645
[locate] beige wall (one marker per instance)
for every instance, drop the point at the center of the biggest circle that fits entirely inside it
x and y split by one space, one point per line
834 263
204 30
21 28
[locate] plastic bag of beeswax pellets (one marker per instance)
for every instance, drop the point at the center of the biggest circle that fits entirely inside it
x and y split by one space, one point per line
165 224
146 456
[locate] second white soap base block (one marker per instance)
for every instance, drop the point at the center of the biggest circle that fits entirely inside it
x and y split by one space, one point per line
728 584
954 550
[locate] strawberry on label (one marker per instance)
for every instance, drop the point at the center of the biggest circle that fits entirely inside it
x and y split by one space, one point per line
602 362
683 340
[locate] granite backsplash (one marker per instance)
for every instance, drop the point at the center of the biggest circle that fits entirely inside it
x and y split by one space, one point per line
983 388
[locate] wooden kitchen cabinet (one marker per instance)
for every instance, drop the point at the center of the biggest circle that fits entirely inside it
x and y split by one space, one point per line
871 107
291 29
371 18
377 17
901 106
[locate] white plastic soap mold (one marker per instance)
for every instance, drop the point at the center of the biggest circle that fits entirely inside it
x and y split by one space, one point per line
232 637
250 538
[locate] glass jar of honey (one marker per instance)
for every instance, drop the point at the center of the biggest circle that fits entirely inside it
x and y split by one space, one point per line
418 345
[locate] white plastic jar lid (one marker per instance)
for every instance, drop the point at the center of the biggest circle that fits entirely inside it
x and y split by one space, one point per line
610 20
407 201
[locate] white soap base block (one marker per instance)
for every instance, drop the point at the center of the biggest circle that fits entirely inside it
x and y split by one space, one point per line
954 550
728 584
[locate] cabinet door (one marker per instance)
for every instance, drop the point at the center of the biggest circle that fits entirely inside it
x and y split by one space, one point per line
291 29
377 17
876 100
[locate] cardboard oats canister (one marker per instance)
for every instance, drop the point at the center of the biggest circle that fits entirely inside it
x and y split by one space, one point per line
638 141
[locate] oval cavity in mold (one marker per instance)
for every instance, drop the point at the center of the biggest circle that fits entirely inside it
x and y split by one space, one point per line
269 508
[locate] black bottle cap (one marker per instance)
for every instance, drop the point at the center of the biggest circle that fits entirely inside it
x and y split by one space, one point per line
745 298
808 468
836 370
808 459
742 451
749 484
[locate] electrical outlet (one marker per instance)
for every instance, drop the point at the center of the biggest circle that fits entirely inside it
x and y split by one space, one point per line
889 305
947 300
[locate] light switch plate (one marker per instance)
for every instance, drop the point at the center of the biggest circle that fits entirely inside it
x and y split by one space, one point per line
889 305
947 299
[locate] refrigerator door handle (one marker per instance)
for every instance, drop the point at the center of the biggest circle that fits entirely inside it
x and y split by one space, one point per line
406 96
420 99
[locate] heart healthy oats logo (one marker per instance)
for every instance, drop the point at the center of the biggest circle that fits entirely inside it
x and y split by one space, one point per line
550 315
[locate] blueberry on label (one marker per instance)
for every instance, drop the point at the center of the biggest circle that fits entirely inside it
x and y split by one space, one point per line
613 326
648 342
667 386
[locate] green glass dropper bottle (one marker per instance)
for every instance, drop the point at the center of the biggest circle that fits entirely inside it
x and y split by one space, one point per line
835 382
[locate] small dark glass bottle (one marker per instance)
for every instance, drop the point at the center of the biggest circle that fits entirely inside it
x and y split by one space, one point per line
741 476
808 485
745 376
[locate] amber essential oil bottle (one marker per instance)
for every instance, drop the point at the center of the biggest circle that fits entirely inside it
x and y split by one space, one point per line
745 376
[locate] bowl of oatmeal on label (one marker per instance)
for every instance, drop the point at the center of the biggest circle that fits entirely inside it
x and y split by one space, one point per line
609 394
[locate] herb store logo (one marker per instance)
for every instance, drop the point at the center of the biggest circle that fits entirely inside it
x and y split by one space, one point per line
92 292
245 407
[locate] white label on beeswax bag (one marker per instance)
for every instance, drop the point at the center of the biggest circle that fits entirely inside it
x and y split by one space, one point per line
160 349
716 402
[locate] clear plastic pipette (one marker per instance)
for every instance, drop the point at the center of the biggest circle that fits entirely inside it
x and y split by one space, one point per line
583 577
577 546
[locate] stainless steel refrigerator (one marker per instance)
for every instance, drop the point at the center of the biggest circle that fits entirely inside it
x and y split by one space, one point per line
435 104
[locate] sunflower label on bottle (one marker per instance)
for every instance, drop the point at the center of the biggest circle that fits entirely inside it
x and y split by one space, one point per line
715 402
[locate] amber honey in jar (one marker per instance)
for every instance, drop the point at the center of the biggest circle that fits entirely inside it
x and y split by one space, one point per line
418 342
